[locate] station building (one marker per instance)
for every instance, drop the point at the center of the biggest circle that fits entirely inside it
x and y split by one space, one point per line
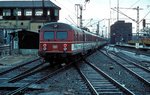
120 32
18 18
28 15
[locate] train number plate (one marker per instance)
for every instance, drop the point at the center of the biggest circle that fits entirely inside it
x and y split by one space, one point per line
55 46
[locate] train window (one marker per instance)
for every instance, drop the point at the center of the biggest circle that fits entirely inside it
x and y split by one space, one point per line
48 35
61 35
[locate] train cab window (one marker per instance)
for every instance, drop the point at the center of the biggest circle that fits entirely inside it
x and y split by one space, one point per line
48 35
61 35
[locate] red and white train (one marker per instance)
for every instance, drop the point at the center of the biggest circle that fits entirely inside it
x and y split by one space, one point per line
60 41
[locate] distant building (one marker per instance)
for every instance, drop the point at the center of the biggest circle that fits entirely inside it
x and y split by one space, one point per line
28 15
120 32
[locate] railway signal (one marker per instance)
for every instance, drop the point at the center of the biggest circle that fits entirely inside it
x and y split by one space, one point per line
144 21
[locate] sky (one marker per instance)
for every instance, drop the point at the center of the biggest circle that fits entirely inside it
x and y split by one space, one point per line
97 10
100 10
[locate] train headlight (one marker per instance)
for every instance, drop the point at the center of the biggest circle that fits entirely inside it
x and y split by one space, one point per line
44 46
65 45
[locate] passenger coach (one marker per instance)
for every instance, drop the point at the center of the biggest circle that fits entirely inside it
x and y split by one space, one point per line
59 41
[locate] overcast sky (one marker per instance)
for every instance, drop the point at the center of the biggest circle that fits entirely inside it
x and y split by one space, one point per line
100 9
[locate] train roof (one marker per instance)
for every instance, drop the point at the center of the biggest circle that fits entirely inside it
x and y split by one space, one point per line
57 25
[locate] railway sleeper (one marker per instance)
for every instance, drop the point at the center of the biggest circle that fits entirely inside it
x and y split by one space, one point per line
13 86
110 93
108 90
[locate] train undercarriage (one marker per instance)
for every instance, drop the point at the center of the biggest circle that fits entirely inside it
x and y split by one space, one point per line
59 58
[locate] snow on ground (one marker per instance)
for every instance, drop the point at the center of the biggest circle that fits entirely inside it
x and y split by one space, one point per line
131 54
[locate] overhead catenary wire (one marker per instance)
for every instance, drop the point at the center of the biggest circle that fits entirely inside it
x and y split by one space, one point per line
134 4
67 9
144 16
125 8
72 20
69 21
74 15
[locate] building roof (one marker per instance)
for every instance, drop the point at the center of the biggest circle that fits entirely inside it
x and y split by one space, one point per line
27 4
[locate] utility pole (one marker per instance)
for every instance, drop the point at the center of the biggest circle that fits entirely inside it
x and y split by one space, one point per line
117 10
136 21
137 27
79 16
97 32
79 7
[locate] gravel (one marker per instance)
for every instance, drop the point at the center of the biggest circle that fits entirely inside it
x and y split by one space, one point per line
68 82
118 73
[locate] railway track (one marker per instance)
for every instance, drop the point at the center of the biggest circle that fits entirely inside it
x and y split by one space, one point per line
137 70
21 65
9 77
121 75
32 79
138 84
36 82
43 79
143 63
26 76
143 51
68 82
99 82
20 71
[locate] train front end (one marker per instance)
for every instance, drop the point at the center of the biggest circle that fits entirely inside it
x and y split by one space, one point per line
55 42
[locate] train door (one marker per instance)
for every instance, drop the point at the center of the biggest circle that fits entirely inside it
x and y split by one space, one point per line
84 43
96 42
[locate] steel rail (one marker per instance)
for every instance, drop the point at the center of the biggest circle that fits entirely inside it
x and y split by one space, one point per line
122 88
134 63
18 66
25 87
28 72
92 89
131 71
